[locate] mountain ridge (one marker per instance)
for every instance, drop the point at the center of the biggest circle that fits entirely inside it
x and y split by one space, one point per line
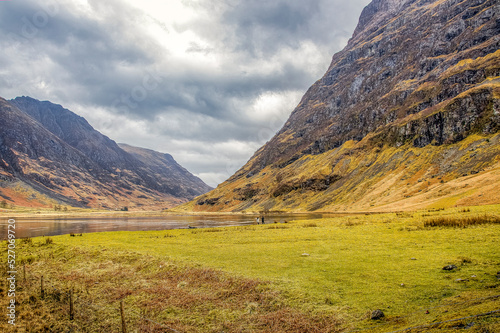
56 157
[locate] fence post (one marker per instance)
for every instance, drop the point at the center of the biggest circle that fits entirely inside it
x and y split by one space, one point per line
41 287
71 308
124 327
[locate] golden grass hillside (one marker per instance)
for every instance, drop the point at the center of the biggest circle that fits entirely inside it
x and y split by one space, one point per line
361 177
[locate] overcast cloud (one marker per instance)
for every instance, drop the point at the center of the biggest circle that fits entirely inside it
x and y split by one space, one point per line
206 81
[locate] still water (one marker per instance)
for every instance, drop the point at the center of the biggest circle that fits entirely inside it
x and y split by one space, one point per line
49 226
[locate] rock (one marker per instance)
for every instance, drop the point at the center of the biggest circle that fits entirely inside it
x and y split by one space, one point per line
449 267
469 325
377 314
305 254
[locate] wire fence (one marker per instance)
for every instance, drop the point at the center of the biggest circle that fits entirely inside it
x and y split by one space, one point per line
131 318
46 289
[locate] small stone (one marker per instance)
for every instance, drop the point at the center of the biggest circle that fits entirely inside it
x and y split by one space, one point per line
469 325
413 258
461 280
377 314
305 254
449 267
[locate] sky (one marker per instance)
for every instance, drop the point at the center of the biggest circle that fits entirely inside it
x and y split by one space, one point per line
208 82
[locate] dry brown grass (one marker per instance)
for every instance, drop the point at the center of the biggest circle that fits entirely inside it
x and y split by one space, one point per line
187 299
460 222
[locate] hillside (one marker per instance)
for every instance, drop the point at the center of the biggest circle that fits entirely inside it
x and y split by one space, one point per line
407 116
51 156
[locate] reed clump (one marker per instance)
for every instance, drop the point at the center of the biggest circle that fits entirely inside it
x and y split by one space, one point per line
461 222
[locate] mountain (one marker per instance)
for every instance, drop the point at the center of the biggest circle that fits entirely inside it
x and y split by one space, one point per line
406 116
163 166
49 156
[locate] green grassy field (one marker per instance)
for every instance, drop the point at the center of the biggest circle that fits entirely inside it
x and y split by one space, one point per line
305 276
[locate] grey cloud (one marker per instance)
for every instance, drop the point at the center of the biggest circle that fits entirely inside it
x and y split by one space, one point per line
266 26
105 59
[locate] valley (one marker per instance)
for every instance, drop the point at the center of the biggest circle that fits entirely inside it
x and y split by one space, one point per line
380 192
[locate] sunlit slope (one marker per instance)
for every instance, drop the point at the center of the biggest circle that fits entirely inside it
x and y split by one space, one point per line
357 178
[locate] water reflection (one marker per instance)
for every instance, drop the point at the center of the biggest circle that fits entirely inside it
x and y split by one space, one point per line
34 227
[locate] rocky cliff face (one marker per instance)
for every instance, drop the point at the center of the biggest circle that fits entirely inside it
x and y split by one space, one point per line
52 156
416 74
405 57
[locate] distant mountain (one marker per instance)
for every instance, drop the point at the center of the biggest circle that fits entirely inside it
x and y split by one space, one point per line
50 155
163 166
406 116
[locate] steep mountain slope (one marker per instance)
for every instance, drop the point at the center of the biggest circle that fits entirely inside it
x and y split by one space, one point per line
163 166
409 106
77 132
49 155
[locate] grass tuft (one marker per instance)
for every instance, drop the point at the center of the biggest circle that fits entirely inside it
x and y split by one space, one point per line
309 225
28 241
48 241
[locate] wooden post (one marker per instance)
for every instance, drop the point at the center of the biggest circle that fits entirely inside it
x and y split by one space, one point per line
41 287
124 327
71 308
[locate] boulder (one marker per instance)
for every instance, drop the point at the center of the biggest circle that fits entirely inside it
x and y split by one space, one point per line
449 267
377 314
